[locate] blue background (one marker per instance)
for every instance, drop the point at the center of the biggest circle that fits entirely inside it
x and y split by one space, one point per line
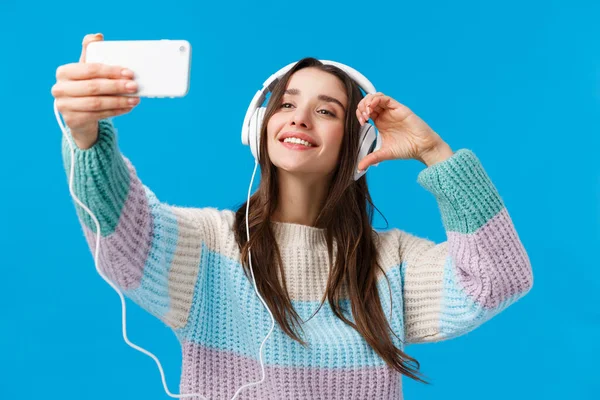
516 82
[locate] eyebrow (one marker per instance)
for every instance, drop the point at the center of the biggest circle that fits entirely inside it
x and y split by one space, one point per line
323 97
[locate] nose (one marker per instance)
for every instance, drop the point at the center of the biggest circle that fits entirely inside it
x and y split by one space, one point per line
300 118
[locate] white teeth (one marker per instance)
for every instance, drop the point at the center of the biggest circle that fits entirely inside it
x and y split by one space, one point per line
297 141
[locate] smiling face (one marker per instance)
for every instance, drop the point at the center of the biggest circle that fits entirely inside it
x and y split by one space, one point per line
305 133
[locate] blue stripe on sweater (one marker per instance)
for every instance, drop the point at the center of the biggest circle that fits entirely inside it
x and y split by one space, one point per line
153 292
227 315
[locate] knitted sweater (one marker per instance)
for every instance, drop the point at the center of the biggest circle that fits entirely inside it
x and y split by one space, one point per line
183 266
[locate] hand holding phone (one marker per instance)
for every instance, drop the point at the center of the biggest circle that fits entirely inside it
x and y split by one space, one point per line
88 92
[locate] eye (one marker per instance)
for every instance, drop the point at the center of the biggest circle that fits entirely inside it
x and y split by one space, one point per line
285 105
328 112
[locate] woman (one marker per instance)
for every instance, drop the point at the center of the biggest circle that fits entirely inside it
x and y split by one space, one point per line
311 244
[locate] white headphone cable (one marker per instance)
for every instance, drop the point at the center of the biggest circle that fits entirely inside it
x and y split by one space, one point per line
123 307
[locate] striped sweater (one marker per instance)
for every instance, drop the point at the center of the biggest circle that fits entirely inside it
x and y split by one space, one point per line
183 266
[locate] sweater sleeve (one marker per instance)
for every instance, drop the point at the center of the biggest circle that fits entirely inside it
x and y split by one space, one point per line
149 249
452 287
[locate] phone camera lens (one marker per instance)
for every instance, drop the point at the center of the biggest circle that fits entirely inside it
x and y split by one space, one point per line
182 48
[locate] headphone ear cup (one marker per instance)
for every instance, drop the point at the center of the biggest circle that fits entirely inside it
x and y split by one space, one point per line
369 142
254 131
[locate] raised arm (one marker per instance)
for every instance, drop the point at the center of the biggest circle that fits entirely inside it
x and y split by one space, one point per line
452 287
149 249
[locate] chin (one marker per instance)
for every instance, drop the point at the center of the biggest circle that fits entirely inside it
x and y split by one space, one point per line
295 169
300 165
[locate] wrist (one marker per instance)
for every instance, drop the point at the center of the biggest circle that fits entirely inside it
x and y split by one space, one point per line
86 137
436 154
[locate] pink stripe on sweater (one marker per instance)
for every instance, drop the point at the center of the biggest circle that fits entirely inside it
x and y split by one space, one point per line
492 264
124 252
218 375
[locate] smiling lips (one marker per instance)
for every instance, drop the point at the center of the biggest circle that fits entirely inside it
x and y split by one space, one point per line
297 141
299 135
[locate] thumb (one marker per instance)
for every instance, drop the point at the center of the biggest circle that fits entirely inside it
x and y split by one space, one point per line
87 40
372 158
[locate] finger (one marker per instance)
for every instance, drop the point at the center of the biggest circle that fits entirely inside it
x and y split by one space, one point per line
362 106
361 109
373 107
359 117
384 101
87 40
95 103
93 87
364 117
373 158
378 101
374 115
79 71
374 111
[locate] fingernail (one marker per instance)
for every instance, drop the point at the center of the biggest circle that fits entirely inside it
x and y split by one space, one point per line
131 85
133 100
127 72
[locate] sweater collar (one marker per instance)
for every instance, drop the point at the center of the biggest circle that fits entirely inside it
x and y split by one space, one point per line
297 235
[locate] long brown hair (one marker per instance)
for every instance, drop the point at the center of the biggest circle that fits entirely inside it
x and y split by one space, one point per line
346 217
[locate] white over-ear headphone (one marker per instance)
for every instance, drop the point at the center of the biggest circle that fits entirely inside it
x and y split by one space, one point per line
369 140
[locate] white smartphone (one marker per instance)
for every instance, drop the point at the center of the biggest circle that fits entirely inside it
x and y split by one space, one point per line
161 67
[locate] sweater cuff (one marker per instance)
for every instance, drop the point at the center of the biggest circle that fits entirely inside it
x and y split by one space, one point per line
101 177
465 194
